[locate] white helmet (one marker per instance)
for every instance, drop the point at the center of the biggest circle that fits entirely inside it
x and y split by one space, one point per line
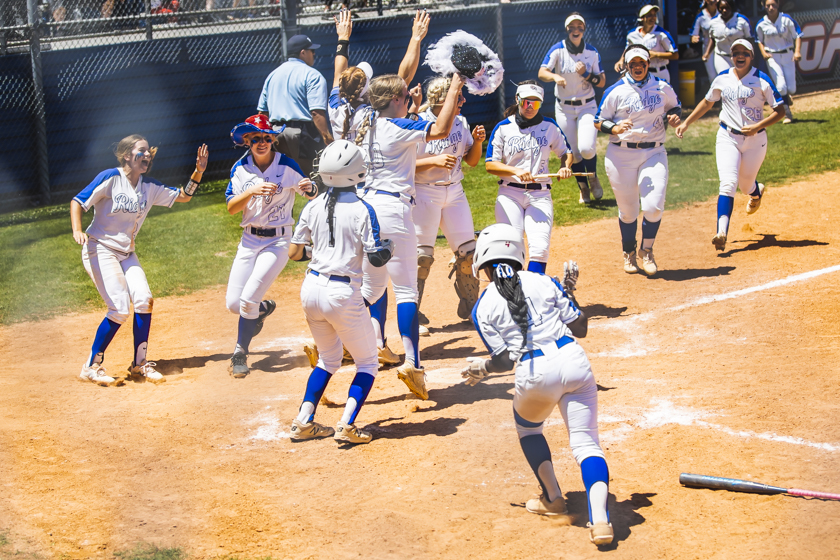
341 164
498 242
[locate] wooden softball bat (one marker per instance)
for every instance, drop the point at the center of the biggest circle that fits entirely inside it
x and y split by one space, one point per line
738 485
550 175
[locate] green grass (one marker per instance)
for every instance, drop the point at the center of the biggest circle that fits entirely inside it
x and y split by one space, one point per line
146 551
192 246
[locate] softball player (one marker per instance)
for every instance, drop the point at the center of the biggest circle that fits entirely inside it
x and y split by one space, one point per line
441 202
262 186
634 112
700 34
527 322
659 43
342 230
389 143
518 152
121 199
725 28
741 139
780 42
575 69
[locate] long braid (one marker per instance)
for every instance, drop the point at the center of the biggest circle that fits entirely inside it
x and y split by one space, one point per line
332 198
507 282
350 86
436 92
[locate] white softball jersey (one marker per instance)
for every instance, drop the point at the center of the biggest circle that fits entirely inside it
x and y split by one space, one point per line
458 143
701 26
549 310
355 231
742 101
657 40
779 36
337 108
527 149
727 32
266 211
560 61
390 150
119 208
645 104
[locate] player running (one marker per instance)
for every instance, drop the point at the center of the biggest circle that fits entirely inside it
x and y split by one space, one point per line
634 112
343 230
741 139
780 43
517 153
725 28
527 322
700 34
121 199
660 44
575 68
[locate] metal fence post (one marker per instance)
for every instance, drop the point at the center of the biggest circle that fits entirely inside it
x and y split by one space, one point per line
148 12
42 165
500 45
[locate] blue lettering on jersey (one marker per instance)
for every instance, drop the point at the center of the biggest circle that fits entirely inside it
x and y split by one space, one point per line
453 140
517 144
127 204
649 102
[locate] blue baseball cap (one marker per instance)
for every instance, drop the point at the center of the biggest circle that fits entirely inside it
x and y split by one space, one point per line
299 42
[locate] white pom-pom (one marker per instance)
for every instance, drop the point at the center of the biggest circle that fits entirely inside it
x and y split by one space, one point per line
439 59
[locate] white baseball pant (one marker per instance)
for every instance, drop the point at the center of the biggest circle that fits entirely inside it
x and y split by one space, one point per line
662 74
783 72
336 314
638 174
119 278
531 212
722 63
578 124
257 263
446 208
739 158
710 68
563 378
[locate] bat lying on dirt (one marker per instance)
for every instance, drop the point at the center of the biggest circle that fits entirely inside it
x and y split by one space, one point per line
738 485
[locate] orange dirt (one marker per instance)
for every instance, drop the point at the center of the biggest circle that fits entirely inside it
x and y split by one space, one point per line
744 387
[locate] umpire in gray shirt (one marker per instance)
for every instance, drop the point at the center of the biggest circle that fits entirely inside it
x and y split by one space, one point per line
295 95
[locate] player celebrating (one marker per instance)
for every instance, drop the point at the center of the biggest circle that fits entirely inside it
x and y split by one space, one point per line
741 139
659 43
262 187
780 42
700 33
575 67
726 28
121 199
527 322
342 229
633 112
441 202
518 152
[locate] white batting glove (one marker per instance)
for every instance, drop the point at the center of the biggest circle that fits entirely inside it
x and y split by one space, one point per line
570 275
475 371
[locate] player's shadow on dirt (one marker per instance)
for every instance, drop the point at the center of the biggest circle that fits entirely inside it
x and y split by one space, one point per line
440 351
623 515
462 326
440 427
177 366
266 360
675 152
691 273
600 310
769 240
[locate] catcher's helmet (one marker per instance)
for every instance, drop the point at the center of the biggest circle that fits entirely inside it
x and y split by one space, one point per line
499 242
341 164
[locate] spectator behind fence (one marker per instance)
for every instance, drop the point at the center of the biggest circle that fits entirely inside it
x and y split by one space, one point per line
122 8
295 95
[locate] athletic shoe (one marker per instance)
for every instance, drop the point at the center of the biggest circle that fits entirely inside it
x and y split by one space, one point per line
787 120
596 188
719 241
424 331
238 367
630 265
348 433
311 351
415 379
755 202
584 194
541 506
312 430
96 374
600 533
648 264
270 306
387 357
147 370
422 318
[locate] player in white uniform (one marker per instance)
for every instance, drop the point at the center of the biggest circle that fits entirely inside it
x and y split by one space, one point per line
725 28
527 322
741 139
441 202
343 230
574 67
634 112
517 153
780 43
262 186
700 33
659 43
121 199
389 143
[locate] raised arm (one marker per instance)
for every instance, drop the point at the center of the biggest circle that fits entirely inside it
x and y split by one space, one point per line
343 28
408 66
441 127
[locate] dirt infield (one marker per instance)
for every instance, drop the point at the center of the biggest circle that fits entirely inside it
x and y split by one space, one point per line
721 364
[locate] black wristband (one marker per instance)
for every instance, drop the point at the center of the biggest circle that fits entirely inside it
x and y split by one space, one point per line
413 116
307 254
607 126
342 49
594 79
191 187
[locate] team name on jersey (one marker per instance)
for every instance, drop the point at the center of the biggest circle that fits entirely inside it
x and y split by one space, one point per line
738 93
127 204
453 139
517 144
649 102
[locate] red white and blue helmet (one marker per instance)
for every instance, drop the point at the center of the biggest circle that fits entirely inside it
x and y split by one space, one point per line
255 123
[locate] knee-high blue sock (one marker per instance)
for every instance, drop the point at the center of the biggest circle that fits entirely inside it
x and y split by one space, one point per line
409 324
359 390
315 387
628 235
535 266
246 333
592 470
379 311
535 448
142 325
104 335
724 212
756 191
649 230
591 164
580 167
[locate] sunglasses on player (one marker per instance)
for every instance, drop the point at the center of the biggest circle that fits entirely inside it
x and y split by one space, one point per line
261 139
530 103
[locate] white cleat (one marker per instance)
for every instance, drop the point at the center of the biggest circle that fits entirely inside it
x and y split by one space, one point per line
648 264
424 331
146 370
415 379
387 357
595 188
348 433
541 506
755 202
96 374
584 194
719 241
312 430
630 264
600 534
